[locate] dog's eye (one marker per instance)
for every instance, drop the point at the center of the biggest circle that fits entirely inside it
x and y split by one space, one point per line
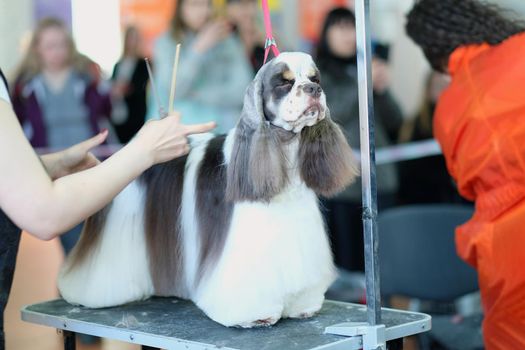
315 79
287 82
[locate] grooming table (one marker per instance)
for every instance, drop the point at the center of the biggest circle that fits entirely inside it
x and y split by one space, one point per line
174 324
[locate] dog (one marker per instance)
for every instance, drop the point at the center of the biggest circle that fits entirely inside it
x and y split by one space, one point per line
235 226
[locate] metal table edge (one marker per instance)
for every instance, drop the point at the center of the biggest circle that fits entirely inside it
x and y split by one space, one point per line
137 337
103 331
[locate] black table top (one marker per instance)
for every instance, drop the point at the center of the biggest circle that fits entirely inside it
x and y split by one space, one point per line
173 323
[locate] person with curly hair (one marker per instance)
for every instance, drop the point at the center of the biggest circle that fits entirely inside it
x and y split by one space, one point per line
480 124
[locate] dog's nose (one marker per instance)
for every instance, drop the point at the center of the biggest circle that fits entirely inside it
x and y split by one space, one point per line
312 89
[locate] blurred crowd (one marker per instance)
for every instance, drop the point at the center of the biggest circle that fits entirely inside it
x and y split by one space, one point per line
61 98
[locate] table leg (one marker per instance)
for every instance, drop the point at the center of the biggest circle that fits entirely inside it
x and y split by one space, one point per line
396 344
69 340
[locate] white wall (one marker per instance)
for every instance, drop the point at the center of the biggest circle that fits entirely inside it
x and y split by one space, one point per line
516 5
407 64
96 29
16 18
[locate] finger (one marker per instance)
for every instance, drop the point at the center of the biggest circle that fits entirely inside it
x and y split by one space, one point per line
198 128
92 159
182 141
185 149
174 116
93 142
89 162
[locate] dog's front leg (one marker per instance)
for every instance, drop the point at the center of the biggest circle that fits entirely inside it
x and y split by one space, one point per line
305 303
241 310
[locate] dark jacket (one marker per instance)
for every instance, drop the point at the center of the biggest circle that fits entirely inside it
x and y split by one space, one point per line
9 242
339 81
27 107
135 100
425 180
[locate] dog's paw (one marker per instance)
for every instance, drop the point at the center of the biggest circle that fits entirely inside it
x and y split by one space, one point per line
303 315
267 322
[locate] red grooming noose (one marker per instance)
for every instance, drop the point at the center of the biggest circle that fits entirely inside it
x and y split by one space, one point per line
270 41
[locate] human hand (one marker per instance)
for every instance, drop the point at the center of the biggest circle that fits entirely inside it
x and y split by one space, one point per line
79 157
380 75
166 139
75 158
212 33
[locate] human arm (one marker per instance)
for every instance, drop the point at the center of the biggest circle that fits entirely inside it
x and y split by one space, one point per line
44 207
73 159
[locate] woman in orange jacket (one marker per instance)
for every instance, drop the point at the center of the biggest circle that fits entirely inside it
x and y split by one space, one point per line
480 124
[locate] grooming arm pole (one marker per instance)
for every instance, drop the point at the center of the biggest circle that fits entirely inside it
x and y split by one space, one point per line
372 332
368 166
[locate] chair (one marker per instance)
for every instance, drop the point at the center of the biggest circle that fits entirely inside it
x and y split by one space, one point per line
418 259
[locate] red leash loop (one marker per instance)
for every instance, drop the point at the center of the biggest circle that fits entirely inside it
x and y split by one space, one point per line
270 41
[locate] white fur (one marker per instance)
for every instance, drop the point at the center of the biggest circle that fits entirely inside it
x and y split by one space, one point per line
276 260
188 216
117 272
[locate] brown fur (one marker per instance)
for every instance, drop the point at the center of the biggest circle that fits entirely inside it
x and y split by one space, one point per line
257 169
162 226
267 163
90 236
326 160
214 212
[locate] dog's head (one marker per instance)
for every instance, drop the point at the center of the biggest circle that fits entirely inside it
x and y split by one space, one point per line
292 96
284 102
286 93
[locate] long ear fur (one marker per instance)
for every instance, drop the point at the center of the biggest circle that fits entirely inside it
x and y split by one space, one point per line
326 160
257 167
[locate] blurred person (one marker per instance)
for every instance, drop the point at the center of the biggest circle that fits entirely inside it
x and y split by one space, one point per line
243 15
480 125
128 91
213 69
426 180
57 95
50 195
336 59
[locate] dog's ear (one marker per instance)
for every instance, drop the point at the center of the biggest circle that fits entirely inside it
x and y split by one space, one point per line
326 160
257 167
